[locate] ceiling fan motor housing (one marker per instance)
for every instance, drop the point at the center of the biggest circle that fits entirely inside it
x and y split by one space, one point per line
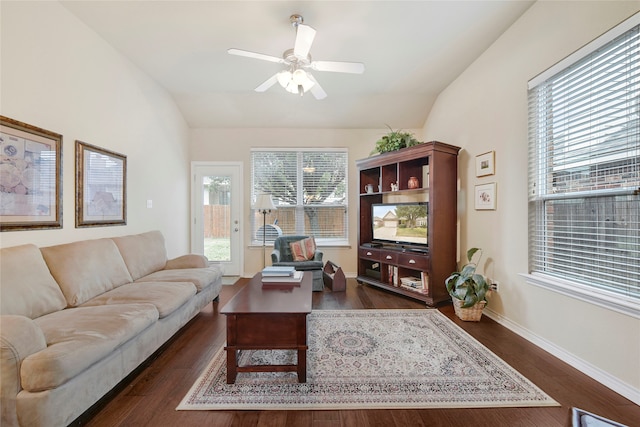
296 20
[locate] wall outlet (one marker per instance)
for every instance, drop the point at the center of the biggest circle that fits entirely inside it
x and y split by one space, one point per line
149 204
494 286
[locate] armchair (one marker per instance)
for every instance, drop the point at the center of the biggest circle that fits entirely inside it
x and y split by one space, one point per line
281 255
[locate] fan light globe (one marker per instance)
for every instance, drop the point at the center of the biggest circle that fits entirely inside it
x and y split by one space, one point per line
292 82
299 77
284 77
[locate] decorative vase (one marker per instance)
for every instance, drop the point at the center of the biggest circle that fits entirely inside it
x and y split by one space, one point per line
471 314
413 183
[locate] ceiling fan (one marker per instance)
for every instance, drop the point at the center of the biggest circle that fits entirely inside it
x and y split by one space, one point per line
296 78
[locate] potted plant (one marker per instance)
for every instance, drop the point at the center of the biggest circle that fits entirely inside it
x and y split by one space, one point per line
468 289
394 140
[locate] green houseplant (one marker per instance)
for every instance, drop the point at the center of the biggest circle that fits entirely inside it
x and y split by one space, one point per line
394 140
468 289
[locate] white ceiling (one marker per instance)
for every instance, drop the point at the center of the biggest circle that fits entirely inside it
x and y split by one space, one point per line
411 50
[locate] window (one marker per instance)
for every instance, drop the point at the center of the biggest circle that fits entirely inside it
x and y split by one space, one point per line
309 189
584 172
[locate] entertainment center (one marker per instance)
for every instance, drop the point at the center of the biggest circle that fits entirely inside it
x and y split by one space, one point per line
407 220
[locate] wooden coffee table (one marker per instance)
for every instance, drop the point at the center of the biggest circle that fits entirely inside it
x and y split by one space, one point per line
272 317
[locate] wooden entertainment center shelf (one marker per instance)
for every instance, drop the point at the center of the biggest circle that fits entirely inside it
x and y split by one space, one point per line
428 173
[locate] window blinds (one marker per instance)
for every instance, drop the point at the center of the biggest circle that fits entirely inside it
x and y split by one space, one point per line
584 169
308 186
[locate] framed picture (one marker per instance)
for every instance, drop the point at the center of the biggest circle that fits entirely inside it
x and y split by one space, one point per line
485 196
30 177
101 186
486 164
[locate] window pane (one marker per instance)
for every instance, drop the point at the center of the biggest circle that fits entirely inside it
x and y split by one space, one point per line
584 130
594 241
309 189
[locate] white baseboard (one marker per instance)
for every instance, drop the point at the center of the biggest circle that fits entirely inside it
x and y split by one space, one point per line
583 366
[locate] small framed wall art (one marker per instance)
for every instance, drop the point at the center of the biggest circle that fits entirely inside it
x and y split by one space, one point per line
101 186
485 196
30 177
486 164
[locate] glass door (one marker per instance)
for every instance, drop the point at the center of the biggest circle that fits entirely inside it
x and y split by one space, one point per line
216 197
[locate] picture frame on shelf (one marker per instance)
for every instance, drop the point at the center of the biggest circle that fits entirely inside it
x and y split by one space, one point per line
30 177
485 196
101 186
486 164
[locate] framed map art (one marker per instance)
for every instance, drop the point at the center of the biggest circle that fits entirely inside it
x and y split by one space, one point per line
30 177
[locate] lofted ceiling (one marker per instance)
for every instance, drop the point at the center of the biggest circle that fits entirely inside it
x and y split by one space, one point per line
411 51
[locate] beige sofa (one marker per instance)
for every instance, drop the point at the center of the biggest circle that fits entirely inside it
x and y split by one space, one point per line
77 318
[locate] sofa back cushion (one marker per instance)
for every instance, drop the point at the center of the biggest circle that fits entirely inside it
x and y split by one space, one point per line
86 268
26 285
143 253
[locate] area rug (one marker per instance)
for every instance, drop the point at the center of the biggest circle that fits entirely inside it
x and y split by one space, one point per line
360 359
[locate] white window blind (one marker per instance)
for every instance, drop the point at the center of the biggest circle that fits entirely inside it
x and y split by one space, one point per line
584 169
309 189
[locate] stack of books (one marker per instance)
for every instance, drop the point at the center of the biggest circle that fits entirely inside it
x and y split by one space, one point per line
281 275
414 284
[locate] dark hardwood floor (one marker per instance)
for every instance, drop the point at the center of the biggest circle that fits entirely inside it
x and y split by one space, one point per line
149 398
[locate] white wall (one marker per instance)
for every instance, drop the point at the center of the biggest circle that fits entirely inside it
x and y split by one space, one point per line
486 109
59 75
237 143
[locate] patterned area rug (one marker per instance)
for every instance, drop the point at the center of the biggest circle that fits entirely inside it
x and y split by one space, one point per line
361 359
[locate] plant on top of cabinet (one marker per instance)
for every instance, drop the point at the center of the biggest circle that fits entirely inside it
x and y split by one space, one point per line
394 140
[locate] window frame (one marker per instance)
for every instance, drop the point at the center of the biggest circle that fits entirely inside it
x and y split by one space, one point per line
300 205
625 304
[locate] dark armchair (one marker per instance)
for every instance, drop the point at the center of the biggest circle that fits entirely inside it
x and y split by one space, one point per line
281 255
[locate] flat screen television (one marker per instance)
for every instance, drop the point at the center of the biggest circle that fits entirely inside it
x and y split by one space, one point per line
403 224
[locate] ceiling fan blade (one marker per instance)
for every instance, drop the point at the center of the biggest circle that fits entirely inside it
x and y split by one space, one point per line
267 84
316 89
254 55
338 67
304 38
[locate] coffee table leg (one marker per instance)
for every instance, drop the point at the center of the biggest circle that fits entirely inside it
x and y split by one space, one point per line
301 332
302 365
232 364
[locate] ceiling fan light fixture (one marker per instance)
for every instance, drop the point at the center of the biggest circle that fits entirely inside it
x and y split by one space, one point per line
297 82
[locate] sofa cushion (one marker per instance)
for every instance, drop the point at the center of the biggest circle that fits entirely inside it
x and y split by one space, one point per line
201 277
143 253
26 285
86 268
79 337
166 297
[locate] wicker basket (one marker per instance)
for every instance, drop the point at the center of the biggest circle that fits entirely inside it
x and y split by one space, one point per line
471 314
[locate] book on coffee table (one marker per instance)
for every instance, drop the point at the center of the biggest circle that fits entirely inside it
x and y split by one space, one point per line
296 278
278 271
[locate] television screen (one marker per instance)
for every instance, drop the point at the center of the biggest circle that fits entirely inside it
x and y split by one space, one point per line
400 223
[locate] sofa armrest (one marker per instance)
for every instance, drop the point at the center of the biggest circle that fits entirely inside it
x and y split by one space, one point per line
275 256
317 256
187 261
19 337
